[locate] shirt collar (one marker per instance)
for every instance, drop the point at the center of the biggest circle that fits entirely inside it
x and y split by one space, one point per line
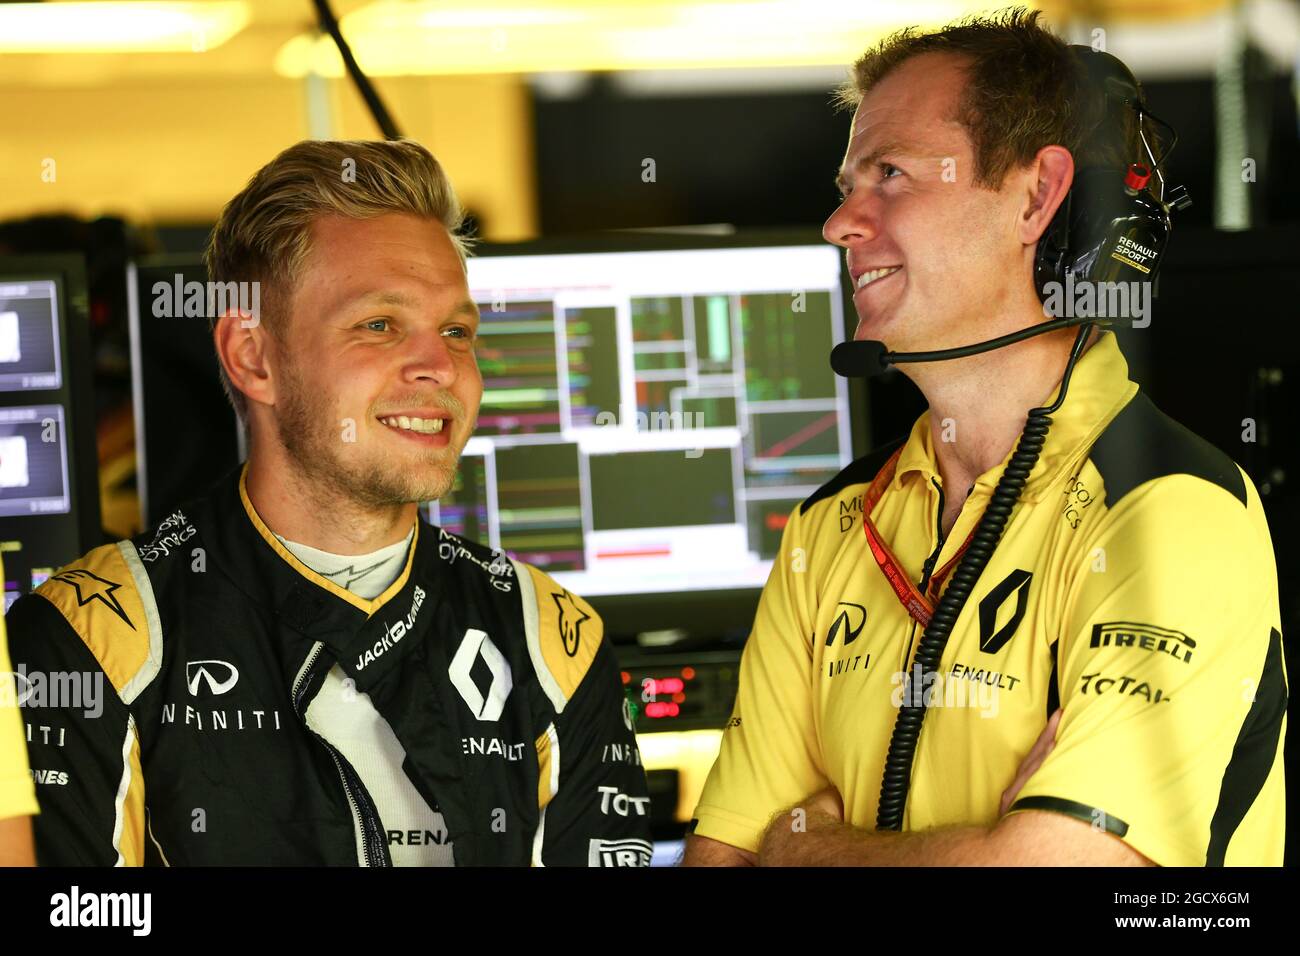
309 578
1099 387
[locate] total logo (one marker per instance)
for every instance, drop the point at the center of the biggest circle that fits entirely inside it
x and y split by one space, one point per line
622 803
1131 686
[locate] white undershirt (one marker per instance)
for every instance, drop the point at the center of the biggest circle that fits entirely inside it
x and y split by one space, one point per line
349 721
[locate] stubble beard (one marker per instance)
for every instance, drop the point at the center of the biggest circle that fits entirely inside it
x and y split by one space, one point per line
341 470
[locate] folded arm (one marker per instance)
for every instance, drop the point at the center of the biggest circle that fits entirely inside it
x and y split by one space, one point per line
1027 838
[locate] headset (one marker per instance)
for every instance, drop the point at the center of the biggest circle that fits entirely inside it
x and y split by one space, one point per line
1110 226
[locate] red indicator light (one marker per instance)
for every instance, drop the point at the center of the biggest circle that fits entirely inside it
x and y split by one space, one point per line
666 686
679 698
688 673
627 678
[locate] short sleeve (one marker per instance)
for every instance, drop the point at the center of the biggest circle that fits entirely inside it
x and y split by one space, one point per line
17 792
1173 682
769 756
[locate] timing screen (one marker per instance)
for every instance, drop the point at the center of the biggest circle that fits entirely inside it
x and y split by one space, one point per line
33 461
29 343
649 419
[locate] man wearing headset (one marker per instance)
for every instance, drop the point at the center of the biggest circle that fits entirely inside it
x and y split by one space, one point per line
1113 690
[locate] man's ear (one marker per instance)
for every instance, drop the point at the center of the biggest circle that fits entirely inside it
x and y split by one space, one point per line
244 350
1051 175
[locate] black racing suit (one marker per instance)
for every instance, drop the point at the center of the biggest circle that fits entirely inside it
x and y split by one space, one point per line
207 641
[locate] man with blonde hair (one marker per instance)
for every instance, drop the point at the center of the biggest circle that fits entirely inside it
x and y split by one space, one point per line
298 669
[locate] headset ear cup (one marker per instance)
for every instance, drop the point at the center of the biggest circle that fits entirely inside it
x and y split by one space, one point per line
1053 247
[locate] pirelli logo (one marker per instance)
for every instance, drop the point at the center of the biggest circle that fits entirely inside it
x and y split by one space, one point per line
627 852
1148 637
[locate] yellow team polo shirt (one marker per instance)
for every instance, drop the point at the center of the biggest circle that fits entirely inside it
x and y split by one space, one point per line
1135 582
17 792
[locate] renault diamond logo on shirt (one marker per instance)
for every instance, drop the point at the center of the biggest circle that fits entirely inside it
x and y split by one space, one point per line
1017 582
849 621
477 646
206 671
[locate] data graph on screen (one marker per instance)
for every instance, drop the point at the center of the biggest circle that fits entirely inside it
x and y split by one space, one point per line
649 419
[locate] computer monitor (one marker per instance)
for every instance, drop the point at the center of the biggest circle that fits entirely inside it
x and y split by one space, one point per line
653 409
49 492
186 433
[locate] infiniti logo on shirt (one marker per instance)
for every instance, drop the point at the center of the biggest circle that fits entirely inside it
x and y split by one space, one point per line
197 672
394 633
849 621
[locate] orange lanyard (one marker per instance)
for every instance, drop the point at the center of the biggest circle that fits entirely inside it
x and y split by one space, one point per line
919 606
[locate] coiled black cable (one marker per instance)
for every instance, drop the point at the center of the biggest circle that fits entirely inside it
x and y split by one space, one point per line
897 777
